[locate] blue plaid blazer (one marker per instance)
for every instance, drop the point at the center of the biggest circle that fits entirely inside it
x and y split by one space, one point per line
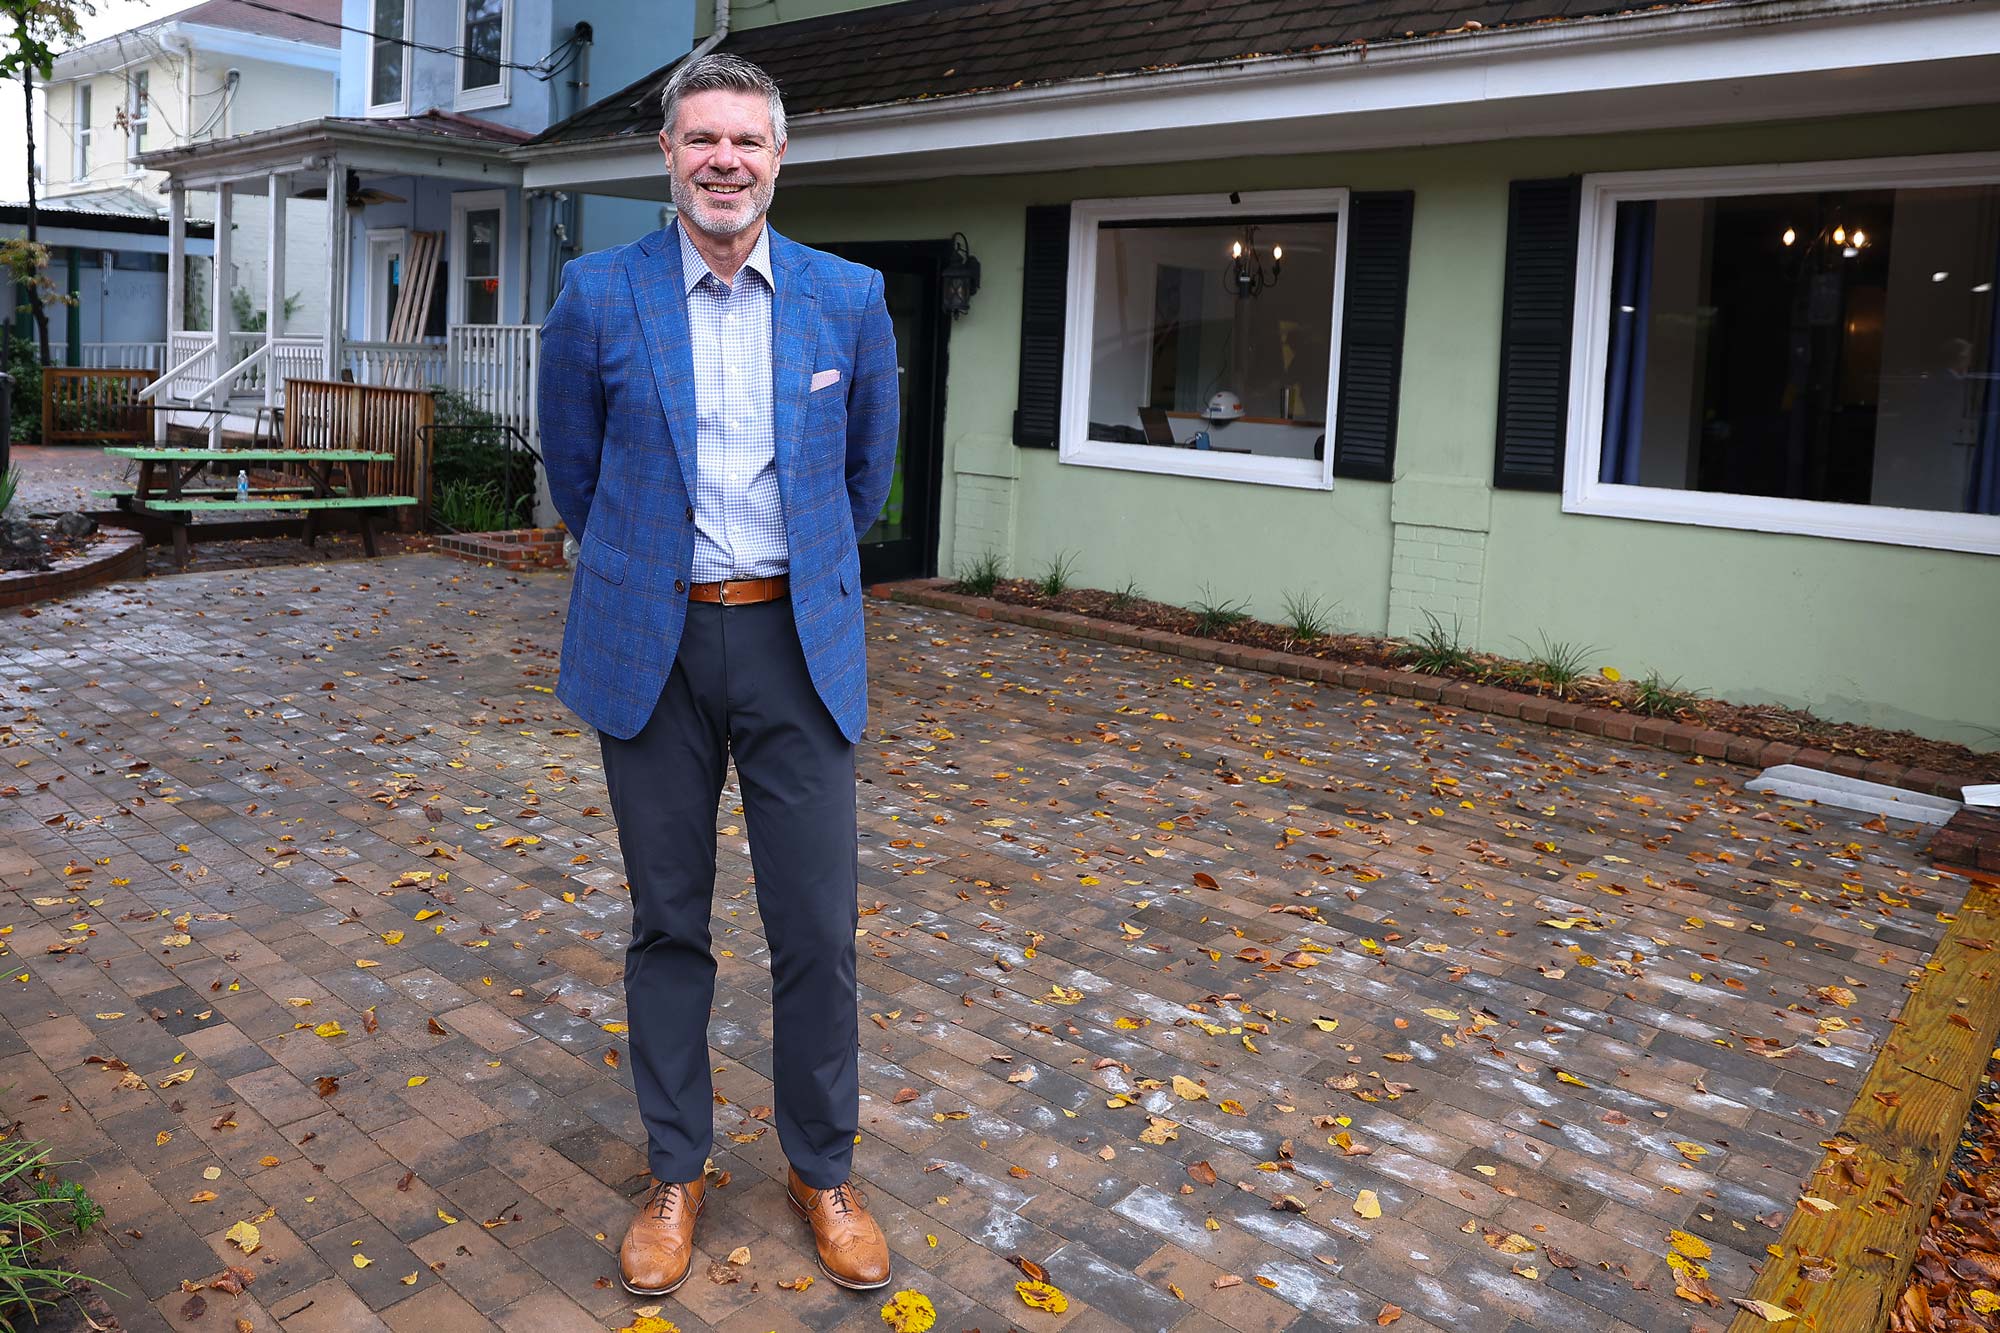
617 416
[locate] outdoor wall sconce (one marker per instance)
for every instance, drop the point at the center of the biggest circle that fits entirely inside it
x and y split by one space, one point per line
961 277
1246 276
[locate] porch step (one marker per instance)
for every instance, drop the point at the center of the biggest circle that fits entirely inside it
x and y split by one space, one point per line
519 550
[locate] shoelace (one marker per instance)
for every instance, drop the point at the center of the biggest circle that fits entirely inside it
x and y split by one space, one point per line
843 1198
665 1200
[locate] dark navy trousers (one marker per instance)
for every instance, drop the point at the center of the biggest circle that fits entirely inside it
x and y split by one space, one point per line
739 688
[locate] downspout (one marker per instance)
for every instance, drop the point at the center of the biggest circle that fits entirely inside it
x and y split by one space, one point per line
714 39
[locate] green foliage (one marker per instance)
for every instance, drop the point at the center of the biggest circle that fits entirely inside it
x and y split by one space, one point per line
1436 649
33 31
981 577
1306 615
1560 663
27 1223
1058 575
1657 698
10 482
469 448
1124 597
27 263
249 318
465 506
26 368
1212 617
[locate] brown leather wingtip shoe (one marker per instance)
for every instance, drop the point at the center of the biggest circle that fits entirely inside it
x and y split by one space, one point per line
852 1249
658 1250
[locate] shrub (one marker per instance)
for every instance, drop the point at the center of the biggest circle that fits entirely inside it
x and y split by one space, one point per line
470 446
10 482
1560 663
1306 616
1058 575
1657 698
980 578
1436 649
22 364
1124 597
1212 617
464 506
26 1223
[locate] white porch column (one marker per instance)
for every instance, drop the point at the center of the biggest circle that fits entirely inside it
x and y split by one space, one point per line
220 316
274 290
176 291
336 249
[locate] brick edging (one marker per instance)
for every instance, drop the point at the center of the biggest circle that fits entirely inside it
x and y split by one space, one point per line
125 560
1678 737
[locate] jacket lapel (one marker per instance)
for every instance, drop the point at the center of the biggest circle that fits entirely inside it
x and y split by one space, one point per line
794 342
654 270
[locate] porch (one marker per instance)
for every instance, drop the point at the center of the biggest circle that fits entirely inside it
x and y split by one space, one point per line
424 260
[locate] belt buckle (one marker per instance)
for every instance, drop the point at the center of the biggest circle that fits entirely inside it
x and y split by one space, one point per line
722 591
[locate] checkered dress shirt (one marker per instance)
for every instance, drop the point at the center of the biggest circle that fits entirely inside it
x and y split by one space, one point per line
739 520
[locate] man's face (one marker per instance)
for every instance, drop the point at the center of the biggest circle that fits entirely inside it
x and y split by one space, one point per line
722 160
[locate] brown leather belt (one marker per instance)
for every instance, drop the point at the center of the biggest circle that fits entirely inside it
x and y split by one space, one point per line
740 592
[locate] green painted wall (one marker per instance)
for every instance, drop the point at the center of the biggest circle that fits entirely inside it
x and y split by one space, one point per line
1883 634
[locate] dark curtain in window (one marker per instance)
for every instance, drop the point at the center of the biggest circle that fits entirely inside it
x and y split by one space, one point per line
1625 366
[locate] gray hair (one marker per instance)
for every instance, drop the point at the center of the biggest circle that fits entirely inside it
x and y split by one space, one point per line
720 70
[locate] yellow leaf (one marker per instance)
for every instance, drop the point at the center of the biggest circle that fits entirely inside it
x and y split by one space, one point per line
163 1138
1327 1024
1188 1090
392 937
1694 1152
417 1080
244 1237
409 1281
445 1217
1612 674
1818 1205
109 1017
1367 1205
615 1028
1694 1247
205 1196
1063 995
1564 1077
1985 1302
426 914
1041 1296
1122 1024
906 1312
1232 1106
330 1029
650 1323
362 1261
1441 1015
1764 1310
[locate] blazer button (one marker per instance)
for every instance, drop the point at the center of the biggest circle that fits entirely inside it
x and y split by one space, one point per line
690 513
680 585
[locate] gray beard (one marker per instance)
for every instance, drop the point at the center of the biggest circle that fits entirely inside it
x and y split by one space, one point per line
688 203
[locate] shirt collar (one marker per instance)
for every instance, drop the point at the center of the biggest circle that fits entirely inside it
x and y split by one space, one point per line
694 268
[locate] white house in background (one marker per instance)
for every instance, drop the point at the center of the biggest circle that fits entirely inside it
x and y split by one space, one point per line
206 74
438 261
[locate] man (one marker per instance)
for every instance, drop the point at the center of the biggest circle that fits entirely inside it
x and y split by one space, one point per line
718 418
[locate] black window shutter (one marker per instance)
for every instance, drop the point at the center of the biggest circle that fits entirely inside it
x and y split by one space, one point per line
1535 334
1371 334
1044 302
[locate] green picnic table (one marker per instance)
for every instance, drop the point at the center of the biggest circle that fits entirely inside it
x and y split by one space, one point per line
164 474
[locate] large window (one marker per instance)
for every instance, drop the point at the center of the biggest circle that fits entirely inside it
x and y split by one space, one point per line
388 57
138 110
1802 349
483 35
1202 334
83 131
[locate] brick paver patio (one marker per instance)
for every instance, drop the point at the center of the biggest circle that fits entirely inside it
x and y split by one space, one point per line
1545 998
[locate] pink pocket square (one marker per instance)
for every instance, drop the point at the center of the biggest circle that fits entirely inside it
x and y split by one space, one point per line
822 378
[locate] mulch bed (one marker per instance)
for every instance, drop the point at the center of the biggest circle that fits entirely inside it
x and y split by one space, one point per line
1955 1284
1770 722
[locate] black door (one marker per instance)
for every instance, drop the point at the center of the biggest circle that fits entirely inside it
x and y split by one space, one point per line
903 543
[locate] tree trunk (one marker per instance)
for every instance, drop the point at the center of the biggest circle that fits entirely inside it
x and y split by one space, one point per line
34 285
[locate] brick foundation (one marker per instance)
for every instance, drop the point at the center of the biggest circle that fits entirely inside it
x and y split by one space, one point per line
520 550
118 554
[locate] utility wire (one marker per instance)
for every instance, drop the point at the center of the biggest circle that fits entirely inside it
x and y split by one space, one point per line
541 69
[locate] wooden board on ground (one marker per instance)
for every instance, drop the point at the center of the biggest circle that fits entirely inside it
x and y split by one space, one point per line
1846 1253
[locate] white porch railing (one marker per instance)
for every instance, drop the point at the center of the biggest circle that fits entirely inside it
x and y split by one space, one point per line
398 365
494 366
190 364
124 356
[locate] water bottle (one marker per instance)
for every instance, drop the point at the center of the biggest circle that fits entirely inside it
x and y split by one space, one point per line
242 484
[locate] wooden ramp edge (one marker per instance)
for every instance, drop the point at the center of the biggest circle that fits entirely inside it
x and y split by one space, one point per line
1841 1269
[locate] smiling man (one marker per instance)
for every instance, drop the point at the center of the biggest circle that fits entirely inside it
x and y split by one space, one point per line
718 416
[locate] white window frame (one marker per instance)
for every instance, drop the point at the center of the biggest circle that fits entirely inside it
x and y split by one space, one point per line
401 105
398 238
475 201
1074 443
138 113
81 137
1597 226
472 99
